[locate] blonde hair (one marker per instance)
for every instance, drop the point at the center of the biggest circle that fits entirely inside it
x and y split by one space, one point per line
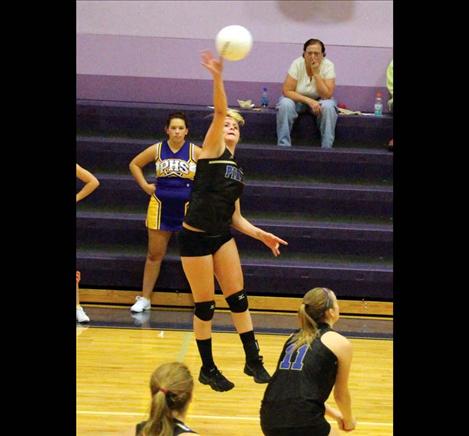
311 312
235 115
171 386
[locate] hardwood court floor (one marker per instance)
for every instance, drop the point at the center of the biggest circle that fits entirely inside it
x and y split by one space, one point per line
114 365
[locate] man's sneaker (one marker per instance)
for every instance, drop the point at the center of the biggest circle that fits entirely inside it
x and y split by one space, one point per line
216 380
81 315
141 304
257 370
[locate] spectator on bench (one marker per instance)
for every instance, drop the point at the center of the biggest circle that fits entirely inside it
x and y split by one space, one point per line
309 85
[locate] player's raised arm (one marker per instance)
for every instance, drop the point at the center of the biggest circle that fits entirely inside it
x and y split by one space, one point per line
213 144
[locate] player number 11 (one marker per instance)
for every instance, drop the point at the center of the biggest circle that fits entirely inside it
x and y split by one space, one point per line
297 364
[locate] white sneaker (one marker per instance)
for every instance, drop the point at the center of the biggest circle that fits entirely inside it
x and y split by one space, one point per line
81 315
141 304
141 318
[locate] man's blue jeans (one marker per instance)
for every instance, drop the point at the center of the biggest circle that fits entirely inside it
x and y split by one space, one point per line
287 113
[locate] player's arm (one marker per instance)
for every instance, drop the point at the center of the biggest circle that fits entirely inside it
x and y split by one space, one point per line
213 144
332 412
244 226
342 348
336 414
90 181
136 168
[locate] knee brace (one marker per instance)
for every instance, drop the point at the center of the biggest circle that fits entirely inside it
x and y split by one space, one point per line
238 302
204 310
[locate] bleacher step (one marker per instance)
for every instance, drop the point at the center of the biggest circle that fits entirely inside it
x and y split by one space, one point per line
107 154
148 119
122 269
303 236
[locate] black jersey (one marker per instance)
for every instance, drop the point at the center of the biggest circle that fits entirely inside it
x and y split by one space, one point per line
218 183
300 386
179 427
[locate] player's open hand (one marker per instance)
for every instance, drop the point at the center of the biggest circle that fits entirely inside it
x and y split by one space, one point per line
273 242
214 65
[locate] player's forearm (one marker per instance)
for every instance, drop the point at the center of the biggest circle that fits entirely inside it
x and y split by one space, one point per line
220 103
344 402
244 226
87 190
331 412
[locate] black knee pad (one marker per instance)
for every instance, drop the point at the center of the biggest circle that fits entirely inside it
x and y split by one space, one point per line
238 302
204 310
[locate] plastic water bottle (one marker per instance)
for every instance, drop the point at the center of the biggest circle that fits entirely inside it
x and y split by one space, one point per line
378 105
264 98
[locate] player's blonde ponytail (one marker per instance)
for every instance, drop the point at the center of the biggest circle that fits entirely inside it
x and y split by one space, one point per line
171 386
315 303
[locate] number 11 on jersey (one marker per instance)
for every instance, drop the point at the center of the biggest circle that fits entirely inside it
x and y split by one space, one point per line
297 364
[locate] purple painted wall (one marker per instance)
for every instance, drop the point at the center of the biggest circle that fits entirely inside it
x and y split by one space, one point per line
149 51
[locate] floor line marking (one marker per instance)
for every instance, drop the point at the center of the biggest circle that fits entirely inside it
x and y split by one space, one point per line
245 418
184 347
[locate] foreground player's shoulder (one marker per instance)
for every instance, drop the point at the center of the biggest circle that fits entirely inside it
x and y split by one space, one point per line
337 343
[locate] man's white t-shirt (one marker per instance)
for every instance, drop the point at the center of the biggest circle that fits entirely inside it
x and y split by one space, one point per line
304 84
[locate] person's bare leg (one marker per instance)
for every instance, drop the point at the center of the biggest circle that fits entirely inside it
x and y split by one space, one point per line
157 246
81 315
230 277
78 276
199 273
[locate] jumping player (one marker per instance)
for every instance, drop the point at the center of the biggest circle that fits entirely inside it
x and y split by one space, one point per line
314 360
206 245
175 161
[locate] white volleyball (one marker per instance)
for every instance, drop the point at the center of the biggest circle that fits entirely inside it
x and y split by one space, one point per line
233 42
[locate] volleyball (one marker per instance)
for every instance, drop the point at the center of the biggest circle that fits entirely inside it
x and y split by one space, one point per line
233 42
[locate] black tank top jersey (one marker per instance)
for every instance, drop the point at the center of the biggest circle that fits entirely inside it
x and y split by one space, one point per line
300 386
179 427
218 183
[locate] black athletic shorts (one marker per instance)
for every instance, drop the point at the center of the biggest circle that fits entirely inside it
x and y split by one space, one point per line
322 429
192 244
